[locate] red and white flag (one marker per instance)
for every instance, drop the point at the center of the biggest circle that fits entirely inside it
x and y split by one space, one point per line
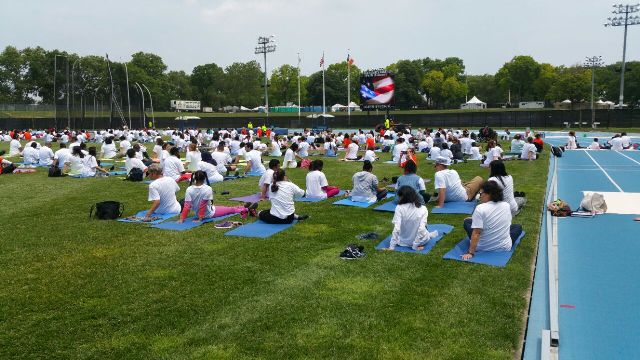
322 60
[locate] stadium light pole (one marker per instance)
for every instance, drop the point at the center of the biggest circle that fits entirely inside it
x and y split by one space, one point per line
73 90
265 45
623 20
68 112
55 95
153 117
95 107
126 72
299 104
593 63
144 118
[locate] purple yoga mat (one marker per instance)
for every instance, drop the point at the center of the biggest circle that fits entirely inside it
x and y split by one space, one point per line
249 198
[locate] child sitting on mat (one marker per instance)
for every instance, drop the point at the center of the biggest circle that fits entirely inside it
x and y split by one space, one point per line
410 221
172 166
414 181
201 196
489 228
281 193
317 184
267 178
365 186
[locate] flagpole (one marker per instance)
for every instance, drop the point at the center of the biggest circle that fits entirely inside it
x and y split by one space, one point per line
323 95
299 104
349 83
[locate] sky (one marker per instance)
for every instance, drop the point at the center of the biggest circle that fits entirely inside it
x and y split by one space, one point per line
187 33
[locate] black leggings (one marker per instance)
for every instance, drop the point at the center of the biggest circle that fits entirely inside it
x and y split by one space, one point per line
266 216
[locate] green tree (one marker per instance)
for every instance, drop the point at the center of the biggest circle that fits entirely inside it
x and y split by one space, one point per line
12 86
485 88
151 63
432 87
453 92
208 83
518 75
573 83
547 77
283 85
243 84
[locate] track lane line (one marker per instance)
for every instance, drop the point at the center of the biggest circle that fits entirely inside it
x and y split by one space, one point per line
605 173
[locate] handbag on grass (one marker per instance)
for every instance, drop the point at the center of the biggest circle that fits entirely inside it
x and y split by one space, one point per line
107 210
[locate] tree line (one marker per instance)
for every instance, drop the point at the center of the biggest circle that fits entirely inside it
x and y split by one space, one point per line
27 77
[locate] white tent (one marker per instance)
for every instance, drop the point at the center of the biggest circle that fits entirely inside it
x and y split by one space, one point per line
474 103
338 107
567 101
315 116
354 107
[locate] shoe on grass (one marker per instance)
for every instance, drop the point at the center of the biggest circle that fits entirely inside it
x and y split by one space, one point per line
367 236
224 225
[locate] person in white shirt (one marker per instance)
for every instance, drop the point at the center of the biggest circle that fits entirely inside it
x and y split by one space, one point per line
193 157
162 193
234 146
445 152
401 146
490 228
330 147
410 221
517 144
254 160
275 148
494 152
290 157
223 159
474 152
498 173
449 186
317 184
281 193
199 197
529 151
303 148
81 164
595 145
45 155
616 143
133 162
267 178
209 166
626 140
370 155
571 141
124 145
173 168
108 149
30 154
435 152
466 143
14 146
352 151
61 157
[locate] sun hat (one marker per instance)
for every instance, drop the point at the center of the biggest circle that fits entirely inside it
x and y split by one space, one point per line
443 161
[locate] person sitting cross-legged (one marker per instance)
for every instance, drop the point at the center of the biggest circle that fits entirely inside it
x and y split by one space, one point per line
449 186
410 221
490 228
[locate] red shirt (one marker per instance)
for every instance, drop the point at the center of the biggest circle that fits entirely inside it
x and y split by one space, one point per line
346 142
371 144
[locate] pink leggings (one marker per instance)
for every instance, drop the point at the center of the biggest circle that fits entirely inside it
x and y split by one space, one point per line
226 210
331 190
184 177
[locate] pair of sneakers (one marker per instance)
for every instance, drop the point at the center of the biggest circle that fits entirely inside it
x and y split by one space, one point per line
353 252
227 224
250 209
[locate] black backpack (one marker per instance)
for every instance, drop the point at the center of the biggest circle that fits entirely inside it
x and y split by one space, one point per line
135 175
54 171
107 210
8 169
556 151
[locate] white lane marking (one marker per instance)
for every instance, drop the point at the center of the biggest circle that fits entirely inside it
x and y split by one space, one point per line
635 161
605 173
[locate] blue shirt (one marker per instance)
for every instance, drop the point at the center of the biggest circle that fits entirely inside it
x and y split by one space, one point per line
414 181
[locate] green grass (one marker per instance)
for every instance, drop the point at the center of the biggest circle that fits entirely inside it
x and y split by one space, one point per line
74 287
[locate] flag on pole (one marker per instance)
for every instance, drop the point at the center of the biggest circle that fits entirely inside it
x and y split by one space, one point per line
322 60
299 60
349 60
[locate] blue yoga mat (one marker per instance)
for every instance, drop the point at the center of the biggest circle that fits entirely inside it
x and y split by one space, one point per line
259 229
456 207
113 173
105 164
188 223
252 174
79 176
147 181
348 202
142 213
493 258
248 198
307 199
443 229
388 206
232 177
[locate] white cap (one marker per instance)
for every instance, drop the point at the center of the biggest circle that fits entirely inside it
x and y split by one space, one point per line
443 161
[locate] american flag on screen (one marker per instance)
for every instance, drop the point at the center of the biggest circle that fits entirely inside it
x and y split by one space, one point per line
378 90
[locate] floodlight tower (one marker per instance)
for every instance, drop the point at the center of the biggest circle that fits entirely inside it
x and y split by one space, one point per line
624 20
266 45
593 63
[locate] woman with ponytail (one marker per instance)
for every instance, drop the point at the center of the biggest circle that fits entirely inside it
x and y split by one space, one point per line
281 193
200 195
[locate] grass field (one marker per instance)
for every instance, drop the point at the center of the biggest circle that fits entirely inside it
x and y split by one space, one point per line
74 287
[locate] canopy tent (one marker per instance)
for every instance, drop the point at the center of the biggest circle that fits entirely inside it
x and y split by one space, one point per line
353 106
315 116
242 108
566 101
338 107
474 103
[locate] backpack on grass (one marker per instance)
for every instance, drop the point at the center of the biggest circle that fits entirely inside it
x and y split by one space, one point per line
54 171
556 151
107 210
135 175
